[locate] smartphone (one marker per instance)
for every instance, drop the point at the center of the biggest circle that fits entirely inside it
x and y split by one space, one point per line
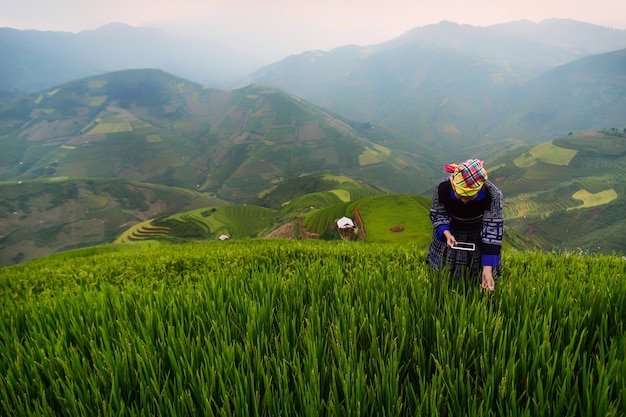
465 246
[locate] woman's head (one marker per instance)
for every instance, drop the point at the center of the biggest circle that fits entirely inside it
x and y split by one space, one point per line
467 178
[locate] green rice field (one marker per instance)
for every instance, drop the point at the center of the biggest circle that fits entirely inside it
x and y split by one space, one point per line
309 328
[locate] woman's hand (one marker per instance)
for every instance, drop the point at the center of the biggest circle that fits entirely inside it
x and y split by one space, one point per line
488 282
450 240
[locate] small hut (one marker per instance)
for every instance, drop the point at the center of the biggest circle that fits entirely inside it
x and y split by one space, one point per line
345 227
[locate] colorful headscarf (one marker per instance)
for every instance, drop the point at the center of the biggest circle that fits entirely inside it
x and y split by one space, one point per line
467 177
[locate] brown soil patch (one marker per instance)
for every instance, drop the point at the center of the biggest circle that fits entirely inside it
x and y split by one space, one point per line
305 234
286 231
289 231
311 131
529 231
397 229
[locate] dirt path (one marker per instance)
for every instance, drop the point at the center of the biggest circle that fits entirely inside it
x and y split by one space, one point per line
359 223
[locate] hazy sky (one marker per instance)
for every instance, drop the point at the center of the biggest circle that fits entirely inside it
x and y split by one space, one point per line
294 26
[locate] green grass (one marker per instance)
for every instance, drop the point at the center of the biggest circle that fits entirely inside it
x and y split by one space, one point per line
94 250
269 328
381 213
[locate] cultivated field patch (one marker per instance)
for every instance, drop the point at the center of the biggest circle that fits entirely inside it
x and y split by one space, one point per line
546 152
594 199
96 84
311 131
97 101
153 138
104 128
381 213
521 207
596 142
231 220
341 179
369 156
450 128
343 195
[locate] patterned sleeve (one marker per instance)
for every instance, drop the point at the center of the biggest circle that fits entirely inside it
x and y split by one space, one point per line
493 223
438 214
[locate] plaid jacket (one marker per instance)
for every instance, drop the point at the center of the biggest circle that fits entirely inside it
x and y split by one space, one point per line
484 214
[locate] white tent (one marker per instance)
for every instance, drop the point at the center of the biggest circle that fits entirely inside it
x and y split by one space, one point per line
224 237
345 223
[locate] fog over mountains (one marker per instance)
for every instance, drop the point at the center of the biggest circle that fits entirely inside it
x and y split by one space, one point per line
525 46
33 60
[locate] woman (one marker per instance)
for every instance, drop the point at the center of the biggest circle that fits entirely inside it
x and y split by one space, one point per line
467 208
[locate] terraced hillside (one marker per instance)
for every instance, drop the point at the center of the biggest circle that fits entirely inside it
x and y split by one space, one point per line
41 217
234 221
568 193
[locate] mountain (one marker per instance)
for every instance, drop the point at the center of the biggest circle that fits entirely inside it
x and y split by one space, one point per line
33 60
439 96
528 48
586 94
151 126
165 131
456 100
73 157
451 87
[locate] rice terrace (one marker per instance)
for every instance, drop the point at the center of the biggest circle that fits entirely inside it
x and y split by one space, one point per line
597 199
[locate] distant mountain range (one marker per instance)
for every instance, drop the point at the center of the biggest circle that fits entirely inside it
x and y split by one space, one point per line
457 87
33 60
527 48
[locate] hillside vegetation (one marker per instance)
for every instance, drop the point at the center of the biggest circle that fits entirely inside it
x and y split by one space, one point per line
40 217
557 196
309 328
568 194
154 127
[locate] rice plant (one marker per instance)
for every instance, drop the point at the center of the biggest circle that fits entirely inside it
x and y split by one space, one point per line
266 328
